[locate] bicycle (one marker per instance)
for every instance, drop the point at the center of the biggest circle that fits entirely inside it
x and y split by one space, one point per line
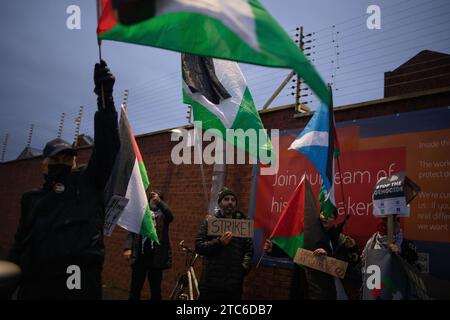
186 287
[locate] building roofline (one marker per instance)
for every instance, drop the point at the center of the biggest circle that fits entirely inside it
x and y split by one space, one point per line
338 109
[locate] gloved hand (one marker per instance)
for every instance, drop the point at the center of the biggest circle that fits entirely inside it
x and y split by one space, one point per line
103 76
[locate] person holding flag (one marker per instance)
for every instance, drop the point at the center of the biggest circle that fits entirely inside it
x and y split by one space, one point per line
147 257
61 225
318 142
301 226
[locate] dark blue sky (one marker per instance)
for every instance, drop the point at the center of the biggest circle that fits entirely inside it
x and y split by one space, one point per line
47 69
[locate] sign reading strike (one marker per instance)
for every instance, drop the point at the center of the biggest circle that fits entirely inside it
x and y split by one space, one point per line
389 196
325 264
241 228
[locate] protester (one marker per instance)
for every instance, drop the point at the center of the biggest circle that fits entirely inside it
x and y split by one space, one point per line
298 288
147 257
226 259
323 286
61 224
307 283
379 240
347 250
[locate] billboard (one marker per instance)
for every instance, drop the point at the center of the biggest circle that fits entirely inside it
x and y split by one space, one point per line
417 143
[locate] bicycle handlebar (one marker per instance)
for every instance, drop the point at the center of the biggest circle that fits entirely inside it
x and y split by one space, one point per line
184 247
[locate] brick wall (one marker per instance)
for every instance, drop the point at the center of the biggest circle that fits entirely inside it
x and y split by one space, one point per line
183 190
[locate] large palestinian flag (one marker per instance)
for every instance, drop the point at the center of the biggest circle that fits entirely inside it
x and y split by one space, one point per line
239 30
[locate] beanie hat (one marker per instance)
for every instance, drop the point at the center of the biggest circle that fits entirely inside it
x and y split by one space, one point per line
225 192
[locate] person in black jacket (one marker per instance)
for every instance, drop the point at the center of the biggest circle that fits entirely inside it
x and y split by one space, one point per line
307 283
298 288
226 259
322 286
148 258
59 240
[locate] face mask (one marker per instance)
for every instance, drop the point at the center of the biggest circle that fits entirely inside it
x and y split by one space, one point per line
58 171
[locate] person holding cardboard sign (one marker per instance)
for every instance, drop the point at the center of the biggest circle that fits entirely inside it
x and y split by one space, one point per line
321 237
226 258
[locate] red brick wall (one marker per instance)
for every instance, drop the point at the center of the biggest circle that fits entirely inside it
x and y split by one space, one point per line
183 190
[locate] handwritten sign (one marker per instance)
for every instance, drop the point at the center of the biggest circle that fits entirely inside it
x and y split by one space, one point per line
325 264
241 228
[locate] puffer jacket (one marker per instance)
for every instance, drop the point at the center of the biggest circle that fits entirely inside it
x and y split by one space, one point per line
224 266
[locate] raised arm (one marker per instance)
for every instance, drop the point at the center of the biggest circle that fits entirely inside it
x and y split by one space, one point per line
106 135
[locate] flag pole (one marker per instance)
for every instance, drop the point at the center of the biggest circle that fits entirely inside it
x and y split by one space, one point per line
199 145
262 256
99 42
347 216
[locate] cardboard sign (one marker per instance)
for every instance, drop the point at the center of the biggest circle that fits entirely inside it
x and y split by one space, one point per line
113 211
335 267
241 228
389 196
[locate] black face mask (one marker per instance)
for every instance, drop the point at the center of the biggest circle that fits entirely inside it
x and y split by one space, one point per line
58 171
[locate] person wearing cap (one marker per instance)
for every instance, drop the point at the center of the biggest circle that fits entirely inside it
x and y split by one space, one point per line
226 259
60 231
148 258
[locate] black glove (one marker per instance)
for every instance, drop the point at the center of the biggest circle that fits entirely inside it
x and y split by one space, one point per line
103 77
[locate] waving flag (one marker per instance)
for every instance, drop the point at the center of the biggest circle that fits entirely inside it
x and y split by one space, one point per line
238 30
298 217
317 142
218 93
126 189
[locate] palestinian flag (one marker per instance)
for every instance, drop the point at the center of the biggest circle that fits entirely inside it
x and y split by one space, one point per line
318 142
218 93
238 30
128 184
289 232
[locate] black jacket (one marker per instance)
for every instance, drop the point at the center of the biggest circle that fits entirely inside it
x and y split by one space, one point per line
61 229
224 266
162 253
298 289
321 285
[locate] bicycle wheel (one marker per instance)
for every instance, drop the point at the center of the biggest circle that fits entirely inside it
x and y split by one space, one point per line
178 291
